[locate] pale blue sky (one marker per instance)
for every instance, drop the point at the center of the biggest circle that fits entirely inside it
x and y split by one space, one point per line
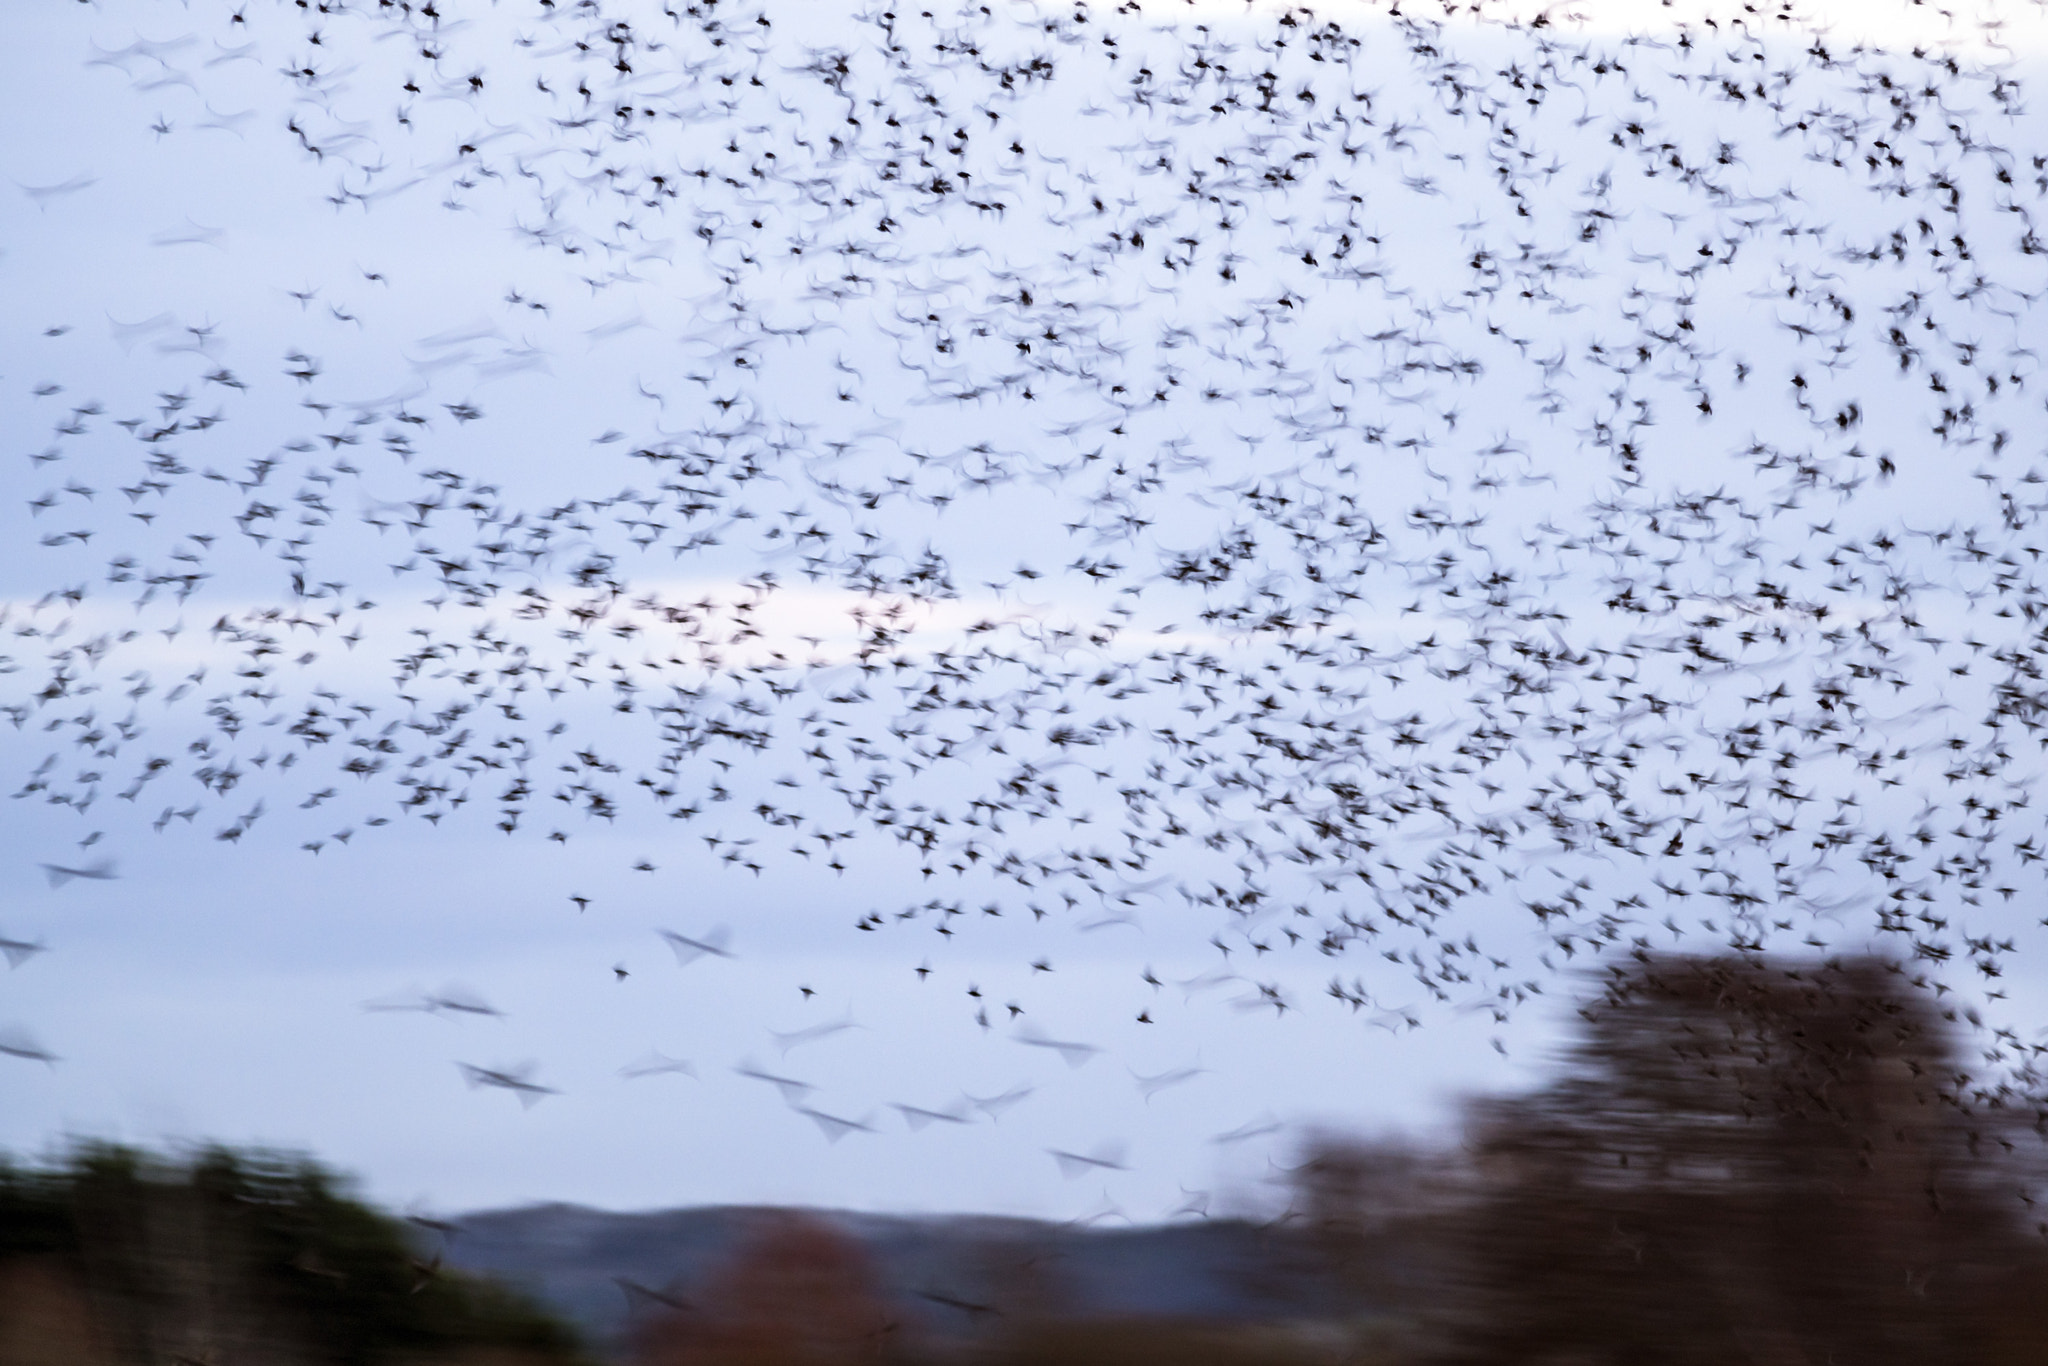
1445 433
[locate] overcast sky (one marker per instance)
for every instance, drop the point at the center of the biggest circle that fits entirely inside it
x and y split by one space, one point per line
201 202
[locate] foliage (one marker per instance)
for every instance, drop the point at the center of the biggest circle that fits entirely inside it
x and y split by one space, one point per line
797 1293
1747 1160
265 1251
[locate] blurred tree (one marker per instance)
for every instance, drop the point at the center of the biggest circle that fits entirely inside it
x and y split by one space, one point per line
235 1257
1747 1160
1369 1216
798 1292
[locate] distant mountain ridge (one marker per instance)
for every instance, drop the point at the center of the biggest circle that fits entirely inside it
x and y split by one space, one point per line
946 1274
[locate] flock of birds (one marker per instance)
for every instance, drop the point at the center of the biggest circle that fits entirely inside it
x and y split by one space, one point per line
1445 492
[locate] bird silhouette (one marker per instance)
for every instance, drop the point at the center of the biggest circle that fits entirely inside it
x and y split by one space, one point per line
1460 500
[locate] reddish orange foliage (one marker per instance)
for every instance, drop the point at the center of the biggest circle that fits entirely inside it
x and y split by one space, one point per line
796 1293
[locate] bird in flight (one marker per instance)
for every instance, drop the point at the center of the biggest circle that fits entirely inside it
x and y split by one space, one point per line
100 870
517 1079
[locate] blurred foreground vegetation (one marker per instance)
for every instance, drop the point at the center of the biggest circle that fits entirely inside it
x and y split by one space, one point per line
110 1257
1740 1160
1756 1161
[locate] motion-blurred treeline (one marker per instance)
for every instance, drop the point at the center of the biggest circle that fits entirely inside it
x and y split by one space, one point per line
1740 1160
1748 1161
112 1258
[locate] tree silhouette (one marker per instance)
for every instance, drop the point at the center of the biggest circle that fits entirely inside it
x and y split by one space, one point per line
244 1256
1748 1160
798 1292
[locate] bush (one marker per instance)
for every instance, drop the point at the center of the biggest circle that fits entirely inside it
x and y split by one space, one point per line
245 1255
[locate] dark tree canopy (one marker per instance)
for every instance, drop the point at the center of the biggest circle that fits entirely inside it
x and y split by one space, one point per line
1746 1160
235 1256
